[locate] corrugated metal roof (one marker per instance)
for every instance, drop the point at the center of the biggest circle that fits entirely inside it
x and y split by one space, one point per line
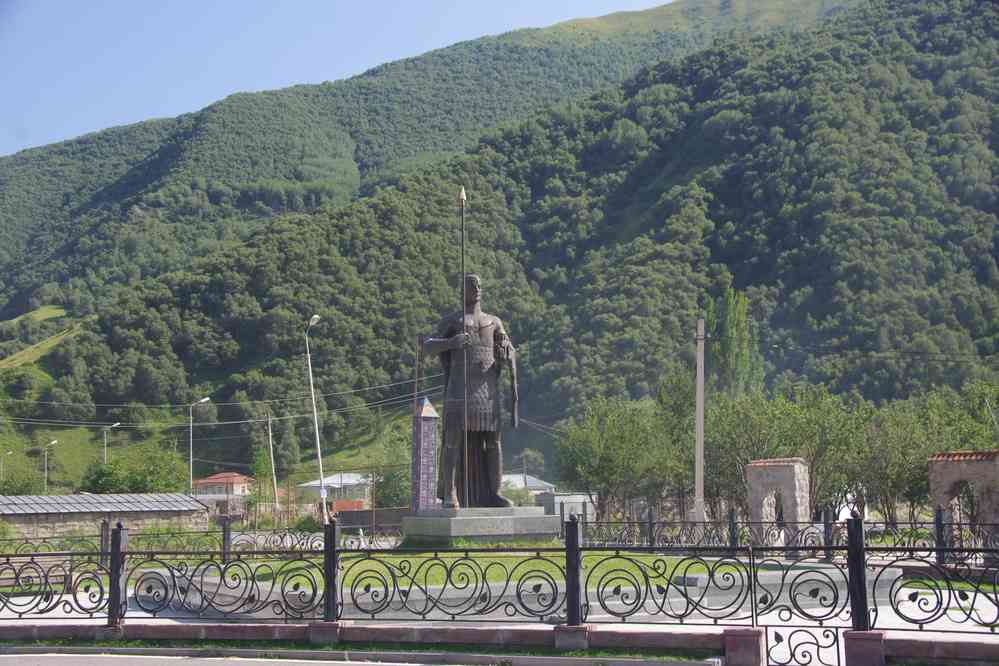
224 476
965 455
533 482
339 480
88 503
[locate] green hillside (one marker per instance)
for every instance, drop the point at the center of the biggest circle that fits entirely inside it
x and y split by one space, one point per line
113 207
842 178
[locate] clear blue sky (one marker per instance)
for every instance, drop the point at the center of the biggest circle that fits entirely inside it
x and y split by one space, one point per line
76 66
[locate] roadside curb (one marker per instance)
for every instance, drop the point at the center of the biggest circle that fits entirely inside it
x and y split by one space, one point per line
449 658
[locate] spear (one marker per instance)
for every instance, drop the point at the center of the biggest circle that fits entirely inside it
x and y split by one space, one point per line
464 352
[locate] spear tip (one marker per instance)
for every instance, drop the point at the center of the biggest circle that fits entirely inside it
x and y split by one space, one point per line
461 195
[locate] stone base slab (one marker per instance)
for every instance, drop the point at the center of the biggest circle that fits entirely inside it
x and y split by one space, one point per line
864 648
480 524
572 638
745 647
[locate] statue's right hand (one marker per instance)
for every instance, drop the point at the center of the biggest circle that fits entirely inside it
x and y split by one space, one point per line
459 340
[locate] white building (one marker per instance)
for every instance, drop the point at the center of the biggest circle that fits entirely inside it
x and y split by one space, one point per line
340 486
533 484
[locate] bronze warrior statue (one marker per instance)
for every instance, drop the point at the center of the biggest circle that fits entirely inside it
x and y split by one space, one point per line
481 338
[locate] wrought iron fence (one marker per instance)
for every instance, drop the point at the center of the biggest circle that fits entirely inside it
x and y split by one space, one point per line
918 536
804 595
90 543
53 585
255 585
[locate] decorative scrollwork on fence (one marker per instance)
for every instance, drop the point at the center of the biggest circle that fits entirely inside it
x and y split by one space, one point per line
652 587
802 590
60 585
614 533
915 592
269 586
670 535
288 540
86 544
802 646
451 586
175 541
380 538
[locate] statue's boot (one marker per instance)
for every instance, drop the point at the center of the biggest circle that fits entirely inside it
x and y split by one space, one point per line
494 476
449 473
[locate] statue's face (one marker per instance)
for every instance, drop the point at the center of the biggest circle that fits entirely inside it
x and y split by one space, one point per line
473 290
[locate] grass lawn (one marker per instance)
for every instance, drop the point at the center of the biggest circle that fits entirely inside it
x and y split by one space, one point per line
38 350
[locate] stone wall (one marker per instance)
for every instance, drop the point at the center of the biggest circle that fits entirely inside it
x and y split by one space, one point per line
53 524
787 476
980 469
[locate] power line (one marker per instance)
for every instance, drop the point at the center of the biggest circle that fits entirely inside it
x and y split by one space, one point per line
64 423
946 357
302 396
223 462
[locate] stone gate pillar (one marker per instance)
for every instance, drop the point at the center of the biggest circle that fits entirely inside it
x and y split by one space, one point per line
424 458
765 478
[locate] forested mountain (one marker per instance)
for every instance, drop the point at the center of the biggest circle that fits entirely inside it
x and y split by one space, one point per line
842 178
115 206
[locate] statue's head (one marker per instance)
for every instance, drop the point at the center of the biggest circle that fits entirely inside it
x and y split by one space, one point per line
473 289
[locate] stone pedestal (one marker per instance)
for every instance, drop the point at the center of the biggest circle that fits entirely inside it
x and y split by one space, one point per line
441 526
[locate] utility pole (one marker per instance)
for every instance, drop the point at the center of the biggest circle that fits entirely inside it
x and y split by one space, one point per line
106 429
47 447
698 514
270 444
416 376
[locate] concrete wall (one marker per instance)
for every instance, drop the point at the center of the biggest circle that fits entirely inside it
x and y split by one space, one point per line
389 517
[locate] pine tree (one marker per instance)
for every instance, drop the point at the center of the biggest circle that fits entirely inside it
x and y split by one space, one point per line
287 452
733 358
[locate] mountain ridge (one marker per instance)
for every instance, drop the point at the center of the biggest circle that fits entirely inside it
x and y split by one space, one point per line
335 139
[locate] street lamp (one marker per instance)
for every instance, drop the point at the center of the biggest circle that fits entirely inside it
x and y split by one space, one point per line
190 442
315 417
113 425
47 446
2 458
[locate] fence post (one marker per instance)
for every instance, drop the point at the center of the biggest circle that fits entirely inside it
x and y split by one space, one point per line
573 573
226 538
652 528
117 578
939 535
857 568
827 532
733 530
105 546
331 564
561 520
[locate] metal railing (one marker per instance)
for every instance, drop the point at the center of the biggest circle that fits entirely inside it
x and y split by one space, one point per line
803 596
730 534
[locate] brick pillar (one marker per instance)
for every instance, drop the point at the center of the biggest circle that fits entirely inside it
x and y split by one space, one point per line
424 462
864 648
746 647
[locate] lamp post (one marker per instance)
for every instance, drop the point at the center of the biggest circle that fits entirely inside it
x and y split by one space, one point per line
2 459
315 418
113 425
47 447
190 443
